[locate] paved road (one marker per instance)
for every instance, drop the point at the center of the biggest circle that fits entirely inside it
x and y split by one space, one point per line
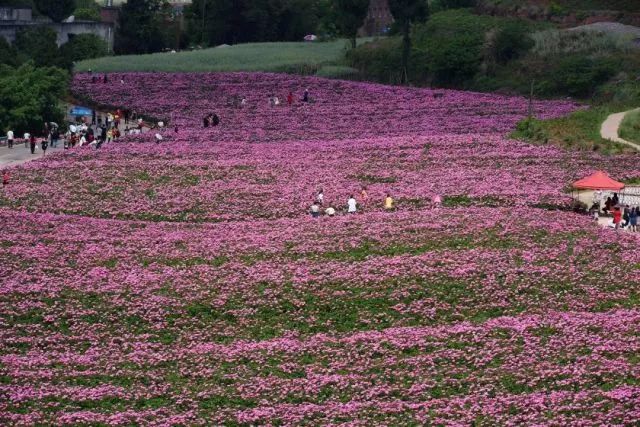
19 154
611 126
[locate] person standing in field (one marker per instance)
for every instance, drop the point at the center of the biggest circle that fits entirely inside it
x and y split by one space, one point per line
10 139
315 210
388 202
290 99
5 178
633 219
364 196
352 205
26 138
32 143
320 197
617 217
305 96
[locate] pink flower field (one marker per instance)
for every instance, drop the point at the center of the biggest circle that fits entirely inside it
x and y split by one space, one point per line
185 283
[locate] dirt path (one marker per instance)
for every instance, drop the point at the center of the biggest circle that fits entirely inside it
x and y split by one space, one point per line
611 126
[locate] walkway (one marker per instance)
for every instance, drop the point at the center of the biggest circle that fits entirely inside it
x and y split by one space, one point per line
20 154
611 126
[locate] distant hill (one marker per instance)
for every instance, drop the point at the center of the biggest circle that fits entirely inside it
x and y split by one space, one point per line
566 12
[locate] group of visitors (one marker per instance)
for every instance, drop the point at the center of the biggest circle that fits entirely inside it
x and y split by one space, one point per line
211 120
623 216
352 204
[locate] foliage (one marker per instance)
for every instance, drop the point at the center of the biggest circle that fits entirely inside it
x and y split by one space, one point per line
38 45
630 127
87 14
57 10
512 41
140 27
349 16
338 72
560 42
441 5
405 13
8 53
83 46
30 96
577 131
379 60
578 76
215 22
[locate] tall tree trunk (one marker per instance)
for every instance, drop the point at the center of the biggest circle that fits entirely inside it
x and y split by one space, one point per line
354 41
406 50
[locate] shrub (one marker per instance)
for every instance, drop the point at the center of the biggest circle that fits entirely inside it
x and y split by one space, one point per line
83 46
338 72
511 42
378 60
579 76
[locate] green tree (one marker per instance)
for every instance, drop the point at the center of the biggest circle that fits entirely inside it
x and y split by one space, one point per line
87 10
83 46
140 29
39 45
349 16
405 13
30 96
8 53
511 42
57 10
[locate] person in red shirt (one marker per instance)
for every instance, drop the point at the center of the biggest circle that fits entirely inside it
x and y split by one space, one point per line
290 98
617 217
5 178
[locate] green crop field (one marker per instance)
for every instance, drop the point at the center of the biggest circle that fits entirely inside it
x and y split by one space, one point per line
297 57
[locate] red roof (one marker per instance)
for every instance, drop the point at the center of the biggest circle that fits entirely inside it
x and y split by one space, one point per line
598 181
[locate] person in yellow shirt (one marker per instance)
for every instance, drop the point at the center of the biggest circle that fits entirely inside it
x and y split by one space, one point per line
388 202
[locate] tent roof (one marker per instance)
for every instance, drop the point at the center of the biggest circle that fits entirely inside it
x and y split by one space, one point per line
598 181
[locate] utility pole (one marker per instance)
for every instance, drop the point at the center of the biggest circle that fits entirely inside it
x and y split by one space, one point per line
533 82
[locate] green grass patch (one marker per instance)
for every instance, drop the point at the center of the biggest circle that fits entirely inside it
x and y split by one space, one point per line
292 57
630 127
578 131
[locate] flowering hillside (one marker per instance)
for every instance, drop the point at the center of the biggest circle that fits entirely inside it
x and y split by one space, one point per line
185 283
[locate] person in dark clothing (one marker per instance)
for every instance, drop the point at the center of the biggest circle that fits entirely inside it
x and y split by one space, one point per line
205 121
127 113
105 79
32 143
305 96
103 133
215 120
43 145
608 204
615 199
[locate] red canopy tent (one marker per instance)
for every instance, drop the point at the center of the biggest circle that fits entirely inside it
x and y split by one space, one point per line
598 181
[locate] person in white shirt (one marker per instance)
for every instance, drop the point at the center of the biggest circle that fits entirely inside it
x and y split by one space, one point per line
320 197
315 210
352 205
26 137
330 211
10 139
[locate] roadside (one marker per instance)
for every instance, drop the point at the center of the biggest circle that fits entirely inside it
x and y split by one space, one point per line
611 127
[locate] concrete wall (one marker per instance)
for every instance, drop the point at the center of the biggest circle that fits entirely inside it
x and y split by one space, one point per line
64 30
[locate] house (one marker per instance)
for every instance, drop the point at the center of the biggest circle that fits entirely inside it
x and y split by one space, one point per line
12 20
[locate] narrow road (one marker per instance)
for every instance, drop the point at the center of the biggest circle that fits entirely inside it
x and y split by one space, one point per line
20 154
611 127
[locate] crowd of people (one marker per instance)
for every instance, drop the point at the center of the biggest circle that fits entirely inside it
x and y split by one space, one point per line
623 217
352 206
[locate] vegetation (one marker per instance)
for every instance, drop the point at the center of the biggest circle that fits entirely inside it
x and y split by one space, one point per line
139 29
30 95
56 10
294 57
630 128
87 10
83 46
579 130
215 22
407 12
349 15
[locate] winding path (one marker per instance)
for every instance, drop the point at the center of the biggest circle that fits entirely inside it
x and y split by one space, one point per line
611 126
